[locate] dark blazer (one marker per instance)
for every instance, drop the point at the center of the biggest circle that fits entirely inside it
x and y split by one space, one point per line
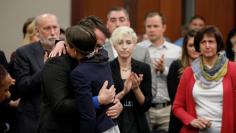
173 78
58 114
132 119
87 79
27 67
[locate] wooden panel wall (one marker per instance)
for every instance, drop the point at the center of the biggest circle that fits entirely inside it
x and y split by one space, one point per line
83 8
221 13
172 10
143 7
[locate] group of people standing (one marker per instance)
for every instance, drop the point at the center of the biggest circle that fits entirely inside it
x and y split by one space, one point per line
101 80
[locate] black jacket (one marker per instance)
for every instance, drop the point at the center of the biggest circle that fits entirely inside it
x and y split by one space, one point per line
58 114
173 78
27 68
132 119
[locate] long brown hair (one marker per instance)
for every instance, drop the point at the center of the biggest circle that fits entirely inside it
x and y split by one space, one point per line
185 57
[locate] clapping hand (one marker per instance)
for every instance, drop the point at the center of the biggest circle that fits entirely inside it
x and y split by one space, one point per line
159 64
128 84
136 80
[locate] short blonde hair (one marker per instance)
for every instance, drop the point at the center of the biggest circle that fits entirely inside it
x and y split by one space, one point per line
120 32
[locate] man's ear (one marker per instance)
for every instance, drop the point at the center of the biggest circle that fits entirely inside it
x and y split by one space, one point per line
128 23
37 32
164 27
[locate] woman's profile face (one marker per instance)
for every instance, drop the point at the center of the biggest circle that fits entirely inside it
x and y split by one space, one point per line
192 53
125 47
233 41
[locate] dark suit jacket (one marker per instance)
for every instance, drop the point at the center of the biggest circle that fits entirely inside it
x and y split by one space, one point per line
132 119
87 79
27 68
58 114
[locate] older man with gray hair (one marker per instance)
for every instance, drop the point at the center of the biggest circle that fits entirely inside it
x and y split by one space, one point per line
27 68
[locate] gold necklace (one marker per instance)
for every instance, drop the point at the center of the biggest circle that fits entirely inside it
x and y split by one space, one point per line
125 69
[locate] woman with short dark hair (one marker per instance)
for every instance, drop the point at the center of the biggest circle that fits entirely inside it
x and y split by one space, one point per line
205 97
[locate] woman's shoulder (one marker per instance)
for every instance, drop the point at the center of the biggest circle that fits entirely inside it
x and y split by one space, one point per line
188 71
63 60
139 63
140 67
231 67
114 62
232 64
176 63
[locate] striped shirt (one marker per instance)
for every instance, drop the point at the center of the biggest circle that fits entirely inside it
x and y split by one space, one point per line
159 80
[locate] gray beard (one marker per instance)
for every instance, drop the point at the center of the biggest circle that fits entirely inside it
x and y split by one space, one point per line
48 44
50 41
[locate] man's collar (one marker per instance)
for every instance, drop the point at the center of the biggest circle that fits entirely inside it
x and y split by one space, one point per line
164 45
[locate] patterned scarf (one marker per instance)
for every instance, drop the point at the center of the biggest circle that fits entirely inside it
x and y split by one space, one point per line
209 78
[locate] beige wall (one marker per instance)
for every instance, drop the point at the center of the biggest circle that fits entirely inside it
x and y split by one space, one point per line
13 14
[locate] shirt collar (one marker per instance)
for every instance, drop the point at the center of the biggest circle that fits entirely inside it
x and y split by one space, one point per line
163 46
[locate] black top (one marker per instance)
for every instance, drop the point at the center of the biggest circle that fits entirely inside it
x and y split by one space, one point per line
132 119
27 67
173 78
58 112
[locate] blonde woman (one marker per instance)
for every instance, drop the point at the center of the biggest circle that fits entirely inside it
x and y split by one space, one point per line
132 81
30 35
